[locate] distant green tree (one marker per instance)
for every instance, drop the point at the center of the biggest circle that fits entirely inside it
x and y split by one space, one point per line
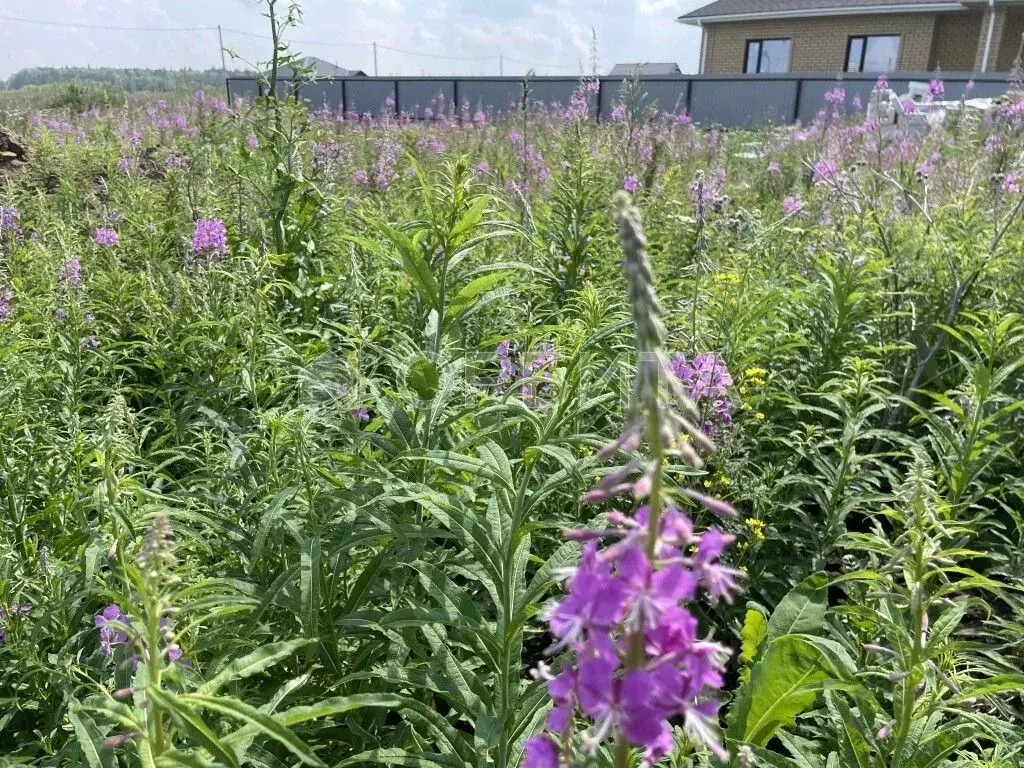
127 79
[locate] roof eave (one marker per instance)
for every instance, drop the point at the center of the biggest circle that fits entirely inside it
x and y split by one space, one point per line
810 13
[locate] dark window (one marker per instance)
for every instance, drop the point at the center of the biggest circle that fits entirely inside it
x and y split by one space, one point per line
872 53
767 56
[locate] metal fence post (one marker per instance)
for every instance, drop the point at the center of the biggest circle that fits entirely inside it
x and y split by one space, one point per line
689 96
796 101
398 107
344 106
600 98
455 97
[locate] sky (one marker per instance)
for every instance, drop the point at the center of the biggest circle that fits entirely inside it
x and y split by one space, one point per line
554 36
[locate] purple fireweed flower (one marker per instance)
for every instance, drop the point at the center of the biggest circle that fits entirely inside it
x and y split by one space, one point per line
509 370
70 275
479 118
773 167
482 167
361 414
110 635
1011 183
361 176
200 96
825 170
835 96
210 238
618 113
176 161
9 218
90 342
6 297
882 83
631 183
909 107
936 90
541 751
792 204
252 142
127 165
105 237
706 380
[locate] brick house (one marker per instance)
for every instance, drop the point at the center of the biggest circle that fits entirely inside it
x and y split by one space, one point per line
760 36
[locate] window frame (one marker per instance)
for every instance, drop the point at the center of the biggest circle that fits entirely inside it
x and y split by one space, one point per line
760 44
864 50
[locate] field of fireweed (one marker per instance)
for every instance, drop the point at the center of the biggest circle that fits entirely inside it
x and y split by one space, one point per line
351 440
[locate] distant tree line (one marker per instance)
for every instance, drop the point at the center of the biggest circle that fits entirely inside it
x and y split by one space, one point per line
126 79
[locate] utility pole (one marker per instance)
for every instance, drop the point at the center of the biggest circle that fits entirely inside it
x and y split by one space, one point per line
223 61
375 58
501 65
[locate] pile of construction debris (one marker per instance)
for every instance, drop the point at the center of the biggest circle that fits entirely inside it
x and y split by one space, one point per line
13 152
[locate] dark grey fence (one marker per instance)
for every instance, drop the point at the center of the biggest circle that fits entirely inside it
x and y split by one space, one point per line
726 100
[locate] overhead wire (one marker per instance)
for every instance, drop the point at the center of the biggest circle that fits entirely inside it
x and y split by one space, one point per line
243 33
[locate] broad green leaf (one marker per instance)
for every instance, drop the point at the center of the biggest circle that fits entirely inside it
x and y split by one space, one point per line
252 664
424 378
754 633
782 685
258 720
802 610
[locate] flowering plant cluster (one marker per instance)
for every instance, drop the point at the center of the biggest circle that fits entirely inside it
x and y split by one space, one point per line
209 241
637 659
706 382
542 366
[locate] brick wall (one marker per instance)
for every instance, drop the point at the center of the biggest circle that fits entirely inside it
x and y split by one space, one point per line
955 42
819 45
1013 27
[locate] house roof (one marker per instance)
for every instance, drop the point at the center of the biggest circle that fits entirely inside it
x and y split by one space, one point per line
739 10
322 68
656 68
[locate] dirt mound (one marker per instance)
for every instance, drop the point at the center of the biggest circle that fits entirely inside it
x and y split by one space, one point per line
13 151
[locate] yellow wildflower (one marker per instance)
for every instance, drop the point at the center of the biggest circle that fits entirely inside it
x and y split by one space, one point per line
729 278
759 416
756 527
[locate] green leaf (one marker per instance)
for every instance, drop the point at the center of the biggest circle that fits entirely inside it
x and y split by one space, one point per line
853 746
258 720
193 725
783 684
176 759
424 378
252 664
396 756
309 585
802 610
469 293
995 684
90 738
754 633
414 264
